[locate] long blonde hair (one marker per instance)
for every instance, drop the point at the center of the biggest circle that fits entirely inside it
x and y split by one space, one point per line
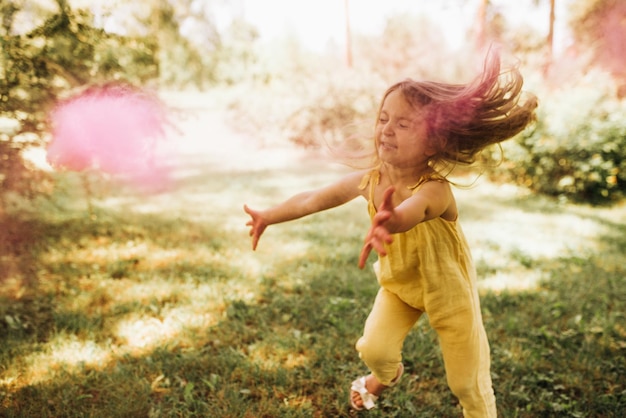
464 119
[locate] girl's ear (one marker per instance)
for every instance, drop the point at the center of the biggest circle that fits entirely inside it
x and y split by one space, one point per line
435 146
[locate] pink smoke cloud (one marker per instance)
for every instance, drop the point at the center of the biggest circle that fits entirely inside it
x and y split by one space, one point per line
115 129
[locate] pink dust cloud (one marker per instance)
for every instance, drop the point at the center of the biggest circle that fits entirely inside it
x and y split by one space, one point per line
613 31
114 129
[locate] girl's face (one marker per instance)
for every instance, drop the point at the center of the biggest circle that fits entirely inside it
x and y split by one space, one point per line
401 138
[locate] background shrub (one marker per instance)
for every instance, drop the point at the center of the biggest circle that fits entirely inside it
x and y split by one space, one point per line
577 149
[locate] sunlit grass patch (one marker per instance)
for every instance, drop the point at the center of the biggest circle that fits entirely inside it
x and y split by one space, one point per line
286 349
63 354
138 334
515 237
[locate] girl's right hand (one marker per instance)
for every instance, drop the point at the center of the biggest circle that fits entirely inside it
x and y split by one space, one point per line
257 225
379 234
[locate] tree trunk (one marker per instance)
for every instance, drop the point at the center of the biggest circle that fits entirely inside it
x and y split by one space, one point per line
481 24
348 35
550 40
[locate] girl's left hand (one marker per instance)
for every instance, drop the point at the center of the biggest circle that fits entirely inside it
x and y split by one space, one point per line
257 225
378 233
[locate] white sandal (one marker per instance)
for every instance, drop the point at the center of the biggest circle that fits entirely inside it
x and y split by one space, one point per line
369 399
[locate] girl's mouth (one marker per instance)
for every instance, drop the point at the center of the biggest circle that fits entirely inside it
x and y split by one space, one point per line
386 145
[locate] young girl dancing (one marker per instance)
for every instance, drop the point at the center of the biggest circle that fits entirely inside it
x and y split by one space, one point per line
424 263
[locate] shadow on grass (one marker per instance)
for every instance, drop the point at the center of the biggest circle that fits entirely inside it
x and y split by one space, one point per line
204 369
152 314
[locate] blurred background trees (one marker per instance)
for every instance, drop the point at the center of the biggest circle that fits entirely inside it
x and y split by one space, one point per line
577 149
51 48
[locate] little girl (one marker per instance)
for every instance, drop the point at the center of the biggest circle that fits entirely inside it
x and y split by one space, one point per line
424 264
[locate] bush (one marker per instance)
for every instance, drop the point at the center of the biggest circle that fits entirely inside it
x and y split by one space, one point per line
577 149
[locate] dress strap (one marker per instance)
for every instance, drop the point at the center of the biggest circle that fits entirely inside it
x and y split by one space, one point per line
372 178
426 179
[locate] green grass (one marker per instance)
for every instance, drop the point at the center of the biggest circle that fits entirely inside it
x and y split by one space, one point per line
155 306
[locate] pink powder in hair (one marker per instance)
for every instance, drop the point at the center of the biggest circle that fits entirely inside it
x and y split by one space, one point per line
114 129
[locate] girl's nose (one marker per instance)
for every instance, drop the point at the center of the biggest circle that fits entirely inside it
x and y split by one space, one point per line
387 129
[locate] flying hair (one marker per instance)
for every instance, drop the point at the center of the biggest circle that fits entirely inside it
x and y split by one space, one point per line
464 119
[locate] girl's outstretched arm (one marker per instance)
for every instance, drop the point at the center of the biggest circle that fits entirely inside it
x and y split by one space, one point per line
304 204
433 200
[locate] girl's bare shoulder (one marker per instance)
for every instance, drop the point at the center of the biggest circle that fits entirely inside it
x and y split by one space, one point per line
357 180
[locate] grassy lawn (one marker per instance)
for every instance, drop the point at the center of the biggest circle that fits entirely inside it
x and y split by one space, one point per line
155 305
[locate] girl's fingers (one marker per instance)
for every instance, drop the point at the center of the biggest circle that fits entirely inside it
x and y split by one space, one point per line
365 252
256 226
380 218
367 249
381 234
379 247
375 241
387 196
378 235
256 236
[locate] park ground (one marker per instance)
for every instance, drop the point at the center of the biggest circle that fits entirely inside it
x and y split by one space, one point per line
123 302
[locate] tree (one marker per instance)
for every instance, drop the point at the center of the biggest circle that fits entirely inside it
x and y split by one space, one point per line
42 65
348 34
192 49
481 23
550 37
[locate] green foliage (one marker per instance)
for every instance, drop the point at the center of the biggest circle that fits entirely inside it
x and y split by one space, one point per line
193 53
577 149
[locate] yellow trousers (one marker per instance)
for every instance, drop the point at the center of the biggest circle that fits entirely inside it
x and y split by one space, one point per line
454 313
